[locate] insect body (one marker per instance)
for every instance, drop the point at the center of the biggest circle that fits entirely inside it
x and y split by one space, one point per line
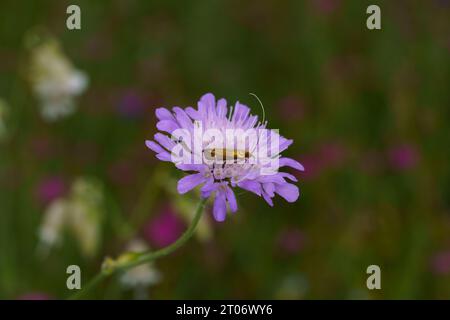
226 155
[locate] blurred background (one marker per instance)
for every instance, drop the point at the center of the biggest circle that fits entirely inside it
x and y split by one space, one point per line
368 111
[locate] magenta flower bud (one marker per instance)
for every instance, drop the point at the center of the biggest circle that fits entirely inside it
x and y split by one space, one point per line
50 189
164 229
403 157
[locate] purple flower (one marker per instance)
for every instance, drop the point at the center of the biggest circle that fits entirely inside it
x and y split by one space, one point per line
50 188
164 229
217 166
403 157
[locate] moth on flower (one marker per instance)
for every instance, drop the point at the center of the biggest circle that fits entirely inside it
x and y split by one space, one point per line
54 80
224 149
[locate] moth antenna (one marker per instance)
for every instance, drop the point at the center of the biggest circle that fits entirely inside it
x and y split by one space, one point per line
261 104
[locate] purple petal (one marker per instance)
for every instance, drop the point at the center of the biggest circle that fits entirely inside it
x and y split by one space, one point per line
209 187
182 118
189 182
284 143
164 140
222 108
167 125
164 156
210 103
154 146
288 175
231 198
288 191
191 167
273 178
220 207
163 114
207 104
269 188
240 112
288 162
251 122
268 199
250 185
191 112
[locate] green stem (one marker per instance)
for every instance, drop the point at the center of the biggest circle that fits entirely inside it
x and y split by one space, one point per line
91 284
144 257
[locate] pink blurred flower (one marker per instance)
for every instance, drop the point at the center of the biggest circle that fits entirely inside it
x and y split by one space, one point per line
327 155
403 157
291 240
440 262
164 229
50 188
131 104
34 296
332 153
313 166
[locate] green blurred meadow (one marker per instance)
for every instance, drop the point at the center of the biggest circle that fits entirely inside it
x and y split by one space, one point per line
368 111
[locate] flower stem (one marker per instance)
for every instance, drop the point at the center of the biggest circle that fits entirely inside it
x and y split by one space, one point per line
91 284
144 257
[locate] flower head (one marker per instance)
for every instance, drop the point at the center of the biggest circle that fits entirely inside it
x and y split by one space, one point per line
225 148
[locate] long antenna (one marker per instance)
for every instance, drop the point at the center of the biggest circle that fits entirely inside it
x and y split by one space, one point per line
262 106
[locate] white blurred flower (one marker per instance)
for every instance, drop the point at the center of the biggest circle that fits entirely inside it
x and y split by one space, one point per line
80 213
53 224
86 214
55 81
141 276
